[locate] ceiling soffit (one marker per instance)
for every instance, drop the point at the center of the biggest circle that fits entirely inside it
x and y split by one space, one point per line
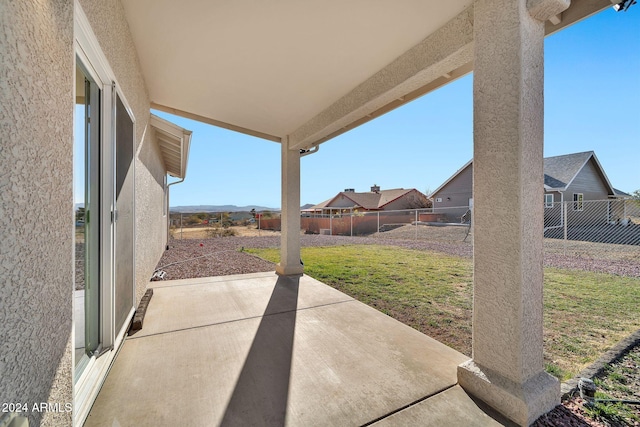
308 70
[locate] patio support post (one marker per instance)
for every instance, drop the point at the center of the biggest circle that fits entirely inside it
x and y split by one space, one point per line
507 369
290 262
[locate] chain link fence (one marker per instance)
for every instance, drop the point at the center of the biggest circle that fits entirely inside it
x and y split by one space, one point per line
203 225
594 228
604 228
447 223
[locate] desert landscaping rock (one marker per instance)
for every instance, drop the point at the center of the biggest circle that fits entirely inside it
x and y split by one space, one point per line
403 237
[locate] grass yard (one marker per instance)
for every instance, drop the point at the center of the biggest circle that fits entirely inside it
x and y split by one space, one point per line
585 313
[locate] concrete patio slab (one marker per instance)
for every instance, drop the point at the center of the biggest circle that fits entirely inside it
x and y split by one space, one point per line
190 303
438 410
262 350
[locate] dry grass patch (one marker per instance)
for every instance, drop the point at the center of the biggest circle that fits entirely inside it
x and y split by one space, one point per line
586 314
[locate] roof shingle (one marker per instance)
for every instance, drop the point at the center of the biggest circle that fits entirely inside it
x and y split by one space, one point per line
368 200
559 171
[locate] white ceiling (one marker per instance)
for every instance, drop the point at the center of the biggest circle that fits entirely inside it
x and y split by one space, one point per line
308 70
270 66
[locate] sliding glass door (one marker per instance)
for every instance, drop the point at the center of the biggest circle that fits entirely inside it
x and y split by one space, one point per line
104 198
104 216
87 216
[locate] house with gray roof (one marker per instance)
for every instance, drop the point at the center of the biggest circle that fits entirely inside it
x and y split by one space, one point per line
577 177
374 200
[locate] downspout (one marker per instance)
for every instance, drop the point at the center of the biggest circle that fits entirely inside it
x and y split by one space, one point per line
185 144
169 210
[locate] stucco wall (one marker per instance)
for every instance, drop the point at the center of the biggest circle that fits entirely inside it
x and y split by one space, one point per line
151 227
36 176
112 31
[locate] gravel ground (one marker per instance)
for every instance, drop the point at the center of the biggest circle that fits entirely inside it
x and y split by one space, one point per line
223 256
217 265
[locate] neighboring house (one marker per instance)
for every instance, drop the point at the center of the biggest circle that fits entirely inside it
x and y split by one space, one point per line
577 177
374 200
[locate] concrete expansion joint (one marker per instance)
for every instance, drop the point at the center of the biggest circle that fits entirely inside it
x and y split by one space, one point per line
407 406
226 322
542 10
199 281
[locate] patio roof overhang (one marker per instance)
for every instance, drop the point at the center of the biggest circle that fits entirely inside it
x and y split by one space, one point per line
174 143
308 71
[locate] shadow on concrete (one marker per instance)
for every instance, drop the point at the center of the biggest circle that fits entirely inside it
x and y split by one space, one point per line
261 393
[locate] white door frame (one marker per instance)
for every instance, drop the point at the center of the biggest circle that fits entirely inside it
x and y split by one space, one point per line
87 384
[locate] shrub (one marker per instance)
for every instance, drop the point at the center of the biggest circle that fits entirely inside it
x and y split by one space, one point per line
221 232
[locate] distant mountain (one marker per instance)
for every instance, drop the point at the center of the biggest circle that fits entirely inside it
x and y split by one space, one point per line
220 208
307 206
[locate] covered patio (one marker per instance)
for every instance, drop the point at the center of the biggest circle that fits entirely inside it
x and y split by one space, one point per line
292 73
261 349
299 75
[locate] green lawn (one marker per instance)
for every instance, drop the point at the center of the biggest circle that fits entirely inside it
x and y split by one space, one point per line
585 313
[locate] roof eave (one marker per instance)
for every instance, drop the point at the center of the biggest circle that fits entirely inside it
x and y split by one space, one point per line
400 196
458 172
179 140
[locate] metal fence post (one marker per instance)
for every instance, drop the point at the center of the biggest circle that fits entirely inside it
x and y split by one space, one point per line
564 220
351 222
416 222
331 222
378 229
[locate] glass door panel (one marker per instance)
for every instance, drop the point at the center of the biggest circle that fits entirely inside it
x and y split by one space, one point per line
87 216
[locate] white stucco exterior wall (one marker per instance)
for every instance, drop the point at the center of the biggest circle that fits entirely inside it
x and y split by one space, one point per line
112 31
36 206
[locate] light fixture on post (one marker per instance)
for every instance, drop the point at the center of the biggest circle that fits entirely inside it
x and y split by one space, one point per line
624 5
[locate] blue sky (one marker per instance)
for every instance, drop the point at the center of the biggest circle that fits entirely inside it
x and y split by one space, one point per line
592 102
